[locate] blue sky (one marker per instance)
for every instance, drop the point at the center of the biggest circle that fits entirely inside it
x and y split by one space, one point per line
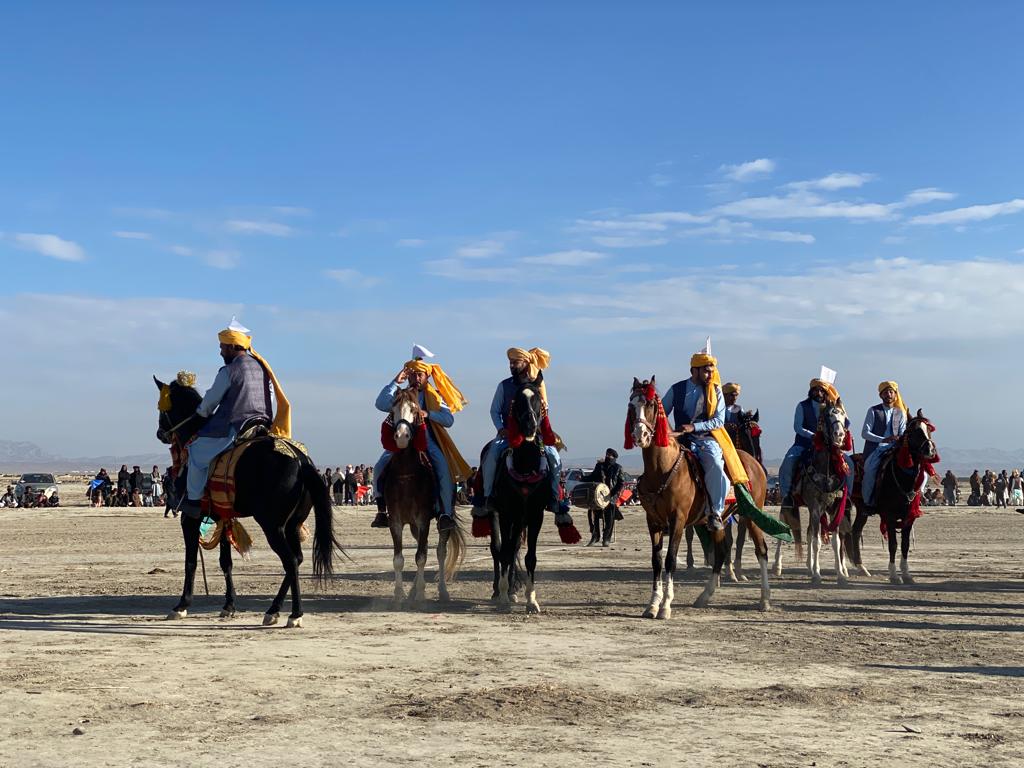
807 183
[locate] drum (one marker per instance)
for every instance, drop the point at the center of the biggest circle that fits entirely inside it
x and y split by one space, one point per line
590 495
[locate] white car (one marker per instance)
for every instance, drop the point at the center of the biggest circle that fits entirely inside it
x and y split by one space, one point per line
35 481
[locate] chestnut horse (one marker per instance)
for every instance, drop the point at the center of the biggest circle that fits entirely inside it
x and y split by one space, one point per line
674 499
410 492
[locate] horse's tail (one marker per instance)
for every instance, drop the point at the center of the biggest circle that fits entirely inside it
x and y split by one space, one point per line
324 540
456 549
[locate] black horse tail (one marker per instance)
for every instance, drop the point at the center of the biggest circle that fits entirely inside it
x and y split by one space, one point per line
324 540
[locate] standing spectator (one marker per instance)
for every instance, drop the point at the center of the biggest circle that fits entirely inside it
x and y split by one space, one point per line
360 496
1015 488
949 486
986 488
170 497
350 484
135 486
1000 484
158 486
339 487
368 477
122 478
329 482
975 481
146 489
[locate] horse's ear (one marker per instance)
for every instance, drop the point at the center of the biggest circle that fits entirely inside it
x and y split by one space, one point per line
839 403
756 415
159 384
636 383
920 413
652 379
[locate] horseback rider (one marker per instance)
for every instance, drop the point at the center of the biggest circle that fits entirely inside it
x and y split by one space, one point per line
438 404
821 393
525 367
884 424
731 391
242 393
699 408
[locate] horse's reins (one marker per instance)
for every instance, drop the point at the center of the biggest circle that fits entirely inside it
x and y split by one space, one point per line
180 424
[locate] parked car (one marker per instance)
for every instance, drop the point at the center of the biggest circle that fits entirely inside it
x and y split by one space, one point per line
35 481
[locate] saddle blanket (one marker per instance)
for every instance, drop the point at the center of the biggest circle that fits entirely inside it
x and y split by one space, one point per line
219 498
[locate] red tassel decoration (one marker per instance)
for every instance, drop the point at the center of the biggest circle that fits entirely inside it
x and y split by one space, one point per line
568 534
481 527
628 443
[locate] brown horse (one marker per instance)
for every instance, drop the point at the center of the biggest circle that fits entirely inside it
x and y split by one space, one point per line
409 490
672 494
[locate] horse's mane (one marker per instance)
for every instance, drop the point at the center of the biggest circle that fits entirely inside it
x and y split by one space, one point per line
408 393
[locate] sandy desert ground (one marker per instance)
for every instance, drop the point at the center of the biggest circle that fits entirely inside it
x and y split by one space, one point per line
924 675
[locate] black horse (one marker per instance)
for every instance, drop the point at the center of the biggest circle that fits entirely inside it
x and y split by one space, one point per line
522 491
895 492
274 489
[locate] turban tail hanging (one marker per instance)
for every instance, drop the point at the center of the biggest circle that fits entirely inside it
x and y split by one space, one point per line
733 466
445 390
282 425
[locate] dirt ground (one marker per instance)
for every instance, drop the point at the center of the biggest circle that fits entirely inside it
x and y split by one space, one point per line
923 675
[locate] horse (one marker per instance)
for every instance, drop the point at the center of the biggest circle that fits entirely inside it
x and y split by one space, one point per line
409 490
672 494
745 434
822 488
522 491
897 494
274 489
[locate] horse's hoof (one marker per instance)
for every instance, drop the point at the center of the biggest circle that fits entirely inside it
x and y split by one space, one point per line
514 597
504 606
908 579
649 613
765 606
815 581
701 602
741 577
731 575
533 608
294 622
443 597
862 571
665 612
897 580
176 614
227 613
842 581
270 619
495 596
777 571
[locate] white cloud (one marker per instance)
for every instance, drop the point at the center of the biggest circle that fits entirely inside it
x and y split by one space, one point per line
180 250
291 210
971 213
671 217
50 245
628 241
834 181
143 213
632 224
804 205
893 240
730 231
351 277
481 249
926 195
410 242
247 227
755 169
574 258
133 235
457 269
222 259
660 180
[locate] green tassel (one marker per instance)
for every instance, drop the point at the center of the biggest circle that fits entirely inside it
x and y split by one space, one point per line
767 523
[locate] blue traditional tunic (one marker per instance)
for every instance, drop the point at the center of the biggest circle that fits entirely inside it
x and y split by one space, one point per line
685 399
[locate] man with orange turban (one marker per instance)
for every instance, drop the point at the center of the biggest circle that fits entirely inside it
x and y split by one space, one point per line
821 392
526 366
240 393
884 424
438 403
699 409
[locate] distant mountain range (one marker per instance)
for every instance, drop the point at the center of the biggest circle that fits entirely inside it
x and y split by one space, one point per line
17 457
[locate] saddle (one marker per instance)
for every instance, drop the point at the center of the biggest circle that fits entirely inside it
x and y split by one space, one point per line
219 496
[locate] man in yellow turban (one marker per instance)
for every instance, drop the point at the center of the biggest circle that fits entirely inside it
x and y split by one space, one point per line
884 424
698 405
526 366
243 391
731 391
821 392
438 403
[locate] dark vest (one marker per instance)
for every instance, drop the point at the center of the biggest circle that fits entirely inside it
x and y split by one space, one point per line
679 415
878 426
248 396
810 422
508 392
732 418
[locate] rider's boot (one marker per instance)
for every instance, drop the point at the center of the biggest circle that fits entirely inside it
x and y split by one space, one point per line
380 520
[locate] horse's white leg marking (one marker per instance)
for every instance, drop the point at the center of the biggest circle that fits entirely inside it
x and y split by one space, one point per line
709 590
442 558
419 586
665 611
295 623
656 596
841 575
766 590
399 564
503 600
894 577
905 571
173 615
778 558
532 606
814 549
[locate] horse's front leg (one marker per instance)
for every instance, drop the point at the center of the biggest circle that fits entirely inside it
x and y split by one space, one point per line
906 534
855 552
890 522
657 536
814 544
729 572
675 537
530 561
442 559
398 560
419 588
761 551
837 550
509 544
228 611
741 538
689 549
715 579
190 533
495 547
